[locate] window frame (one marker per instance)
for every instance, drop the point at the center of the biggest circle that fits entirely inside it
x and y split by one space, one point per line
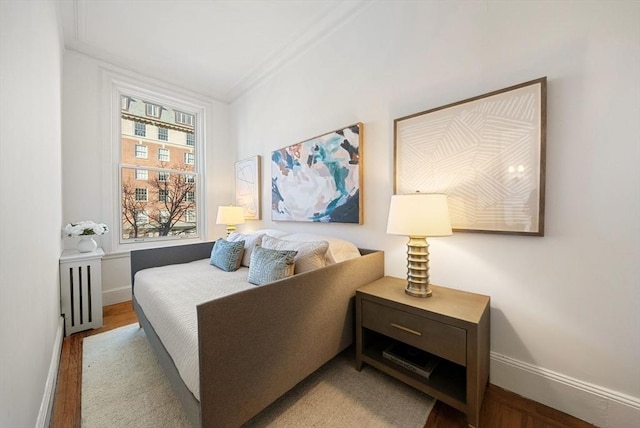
115 85
142 132
143 172
189 158
136 151
163 133
161 152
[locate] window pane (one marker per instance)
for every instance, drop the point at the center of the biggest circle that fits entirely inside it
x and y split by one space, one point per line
141 151
158 183
163 134
140 129
162 208
163 155
142 174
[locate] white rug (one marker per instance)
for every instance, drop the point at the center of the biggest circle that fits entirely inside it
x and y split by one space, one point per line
123 386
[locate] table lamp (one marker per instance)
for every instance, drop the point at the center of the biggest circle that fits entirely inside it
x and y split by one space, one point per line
230 216
418 215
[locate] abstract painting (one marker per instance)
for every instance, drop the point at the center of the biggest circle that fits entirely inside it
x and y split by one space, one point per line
320 179
487 153
248 187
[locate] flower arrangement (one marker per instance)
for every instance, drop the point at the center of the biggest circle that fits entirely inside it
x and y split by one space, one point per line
84 228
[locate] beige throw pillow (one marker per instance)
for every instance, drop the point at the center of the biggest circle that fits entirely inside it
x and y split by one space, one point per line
311 255
250 242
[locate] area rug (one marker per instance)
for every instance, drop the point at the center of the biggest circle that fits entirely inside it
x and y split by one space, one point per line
124 386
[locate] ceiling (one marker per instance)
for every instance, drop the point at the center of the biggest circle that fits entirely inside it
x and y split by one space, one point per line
220 48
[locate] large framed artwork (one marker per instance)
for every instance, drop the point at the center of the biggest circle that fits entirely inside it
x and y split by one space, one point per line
320 179
248 187
487 153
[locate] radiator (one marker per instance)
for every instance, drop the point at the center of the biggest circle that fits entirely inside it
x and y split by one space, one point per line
81 290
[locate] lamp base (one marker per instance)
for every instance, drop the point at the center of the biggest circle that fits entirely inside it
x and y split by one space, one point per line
230 229
418 267
418 292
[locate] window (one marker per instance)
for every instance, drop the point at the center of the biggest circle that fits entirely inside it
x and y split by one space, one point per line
141 195
153 110
184 118
163 155
164 216
142 174
124 102
140 129
163 134
189 158
141 151
142 217
157 193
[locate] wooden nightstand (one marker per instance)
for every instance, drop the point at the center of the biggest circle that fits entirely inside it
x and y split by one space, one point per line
452 324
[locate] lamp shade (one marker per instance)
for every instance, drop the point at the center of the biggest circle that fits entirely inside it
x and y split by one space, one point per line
419 214
230 215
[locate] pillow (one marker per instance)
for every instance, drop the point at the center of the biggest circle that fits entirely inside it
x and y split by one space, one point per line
270 265
227 255
311 255
339 249
272 232
250 242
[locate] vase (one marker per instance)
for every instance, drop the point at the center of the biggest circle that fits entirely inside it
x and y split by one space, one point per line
86 244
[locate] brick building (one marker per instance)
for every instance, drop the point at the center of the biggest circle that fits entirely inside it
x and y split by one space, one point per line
158 153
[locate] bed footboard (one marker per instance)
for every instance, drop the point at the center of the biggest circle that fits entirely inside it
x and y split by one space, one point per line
256 345
162 256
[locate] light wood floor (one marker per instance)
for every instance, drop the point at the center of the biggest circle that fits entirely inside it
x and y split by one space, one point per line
500 408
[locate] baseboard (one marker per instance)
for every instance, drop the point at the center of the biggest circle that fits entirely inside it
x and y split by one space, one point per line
46 406
592 403
117 295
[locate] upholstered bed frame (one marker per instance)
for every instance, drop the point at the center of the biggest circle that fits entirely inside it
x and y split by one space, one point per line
257 344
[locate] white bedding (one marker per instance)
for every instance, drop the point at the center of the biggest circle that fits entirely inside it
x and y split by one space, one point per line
168 295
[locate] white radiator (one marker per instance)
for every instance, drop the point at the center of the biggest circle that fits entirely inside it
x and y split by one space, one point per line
81 290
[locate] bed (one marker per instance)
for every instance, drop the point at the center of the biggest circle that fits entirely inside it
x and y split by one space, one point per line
256 343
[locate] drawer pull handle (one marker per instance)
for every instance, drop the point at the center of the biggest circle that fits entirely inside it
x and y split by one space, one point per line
408 330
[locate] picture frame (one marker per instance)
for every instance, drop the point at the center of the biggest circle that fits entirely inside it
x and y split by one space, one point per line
248 184
319 179
486 153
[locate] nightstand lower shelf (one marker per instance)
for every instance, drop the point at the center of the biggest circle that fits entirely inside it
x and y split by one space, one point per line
447 382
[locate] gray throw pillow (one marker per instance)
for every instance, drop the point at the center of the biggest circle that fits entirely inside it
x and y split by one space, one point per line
227 255
270 265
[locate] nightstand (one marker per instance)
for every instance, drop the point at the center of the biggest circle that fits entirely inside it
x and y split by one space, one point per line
452 325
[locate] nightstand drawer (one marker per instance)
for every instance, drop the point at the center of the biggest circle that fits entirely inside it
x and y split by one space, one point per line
432 336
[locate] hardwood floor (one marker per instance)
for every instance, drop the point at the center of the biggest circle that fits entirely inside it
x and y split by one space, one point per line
500 408
66 405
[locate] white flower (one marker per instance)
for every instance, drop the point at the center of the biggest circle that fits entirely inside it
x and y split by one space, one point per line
86 227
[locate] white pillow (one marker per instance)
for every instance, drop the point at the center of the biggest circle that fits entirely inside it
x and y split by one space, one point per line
250 242
339 249
272 232
311 255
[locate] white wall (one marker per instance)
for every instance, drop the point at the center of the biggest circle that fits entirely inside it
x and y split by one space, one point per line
84 155
30 213
565 307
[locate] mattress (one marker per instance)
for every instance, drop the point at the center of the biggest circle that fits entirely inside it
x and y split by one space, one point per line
168 295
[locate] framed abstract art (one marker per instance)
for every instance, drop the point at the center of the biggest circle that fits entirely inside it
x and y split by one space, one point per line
320 179
248 187
487 153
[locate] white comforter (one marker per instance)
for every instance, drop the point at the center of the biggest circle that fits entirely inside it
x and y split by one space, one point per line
168 295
